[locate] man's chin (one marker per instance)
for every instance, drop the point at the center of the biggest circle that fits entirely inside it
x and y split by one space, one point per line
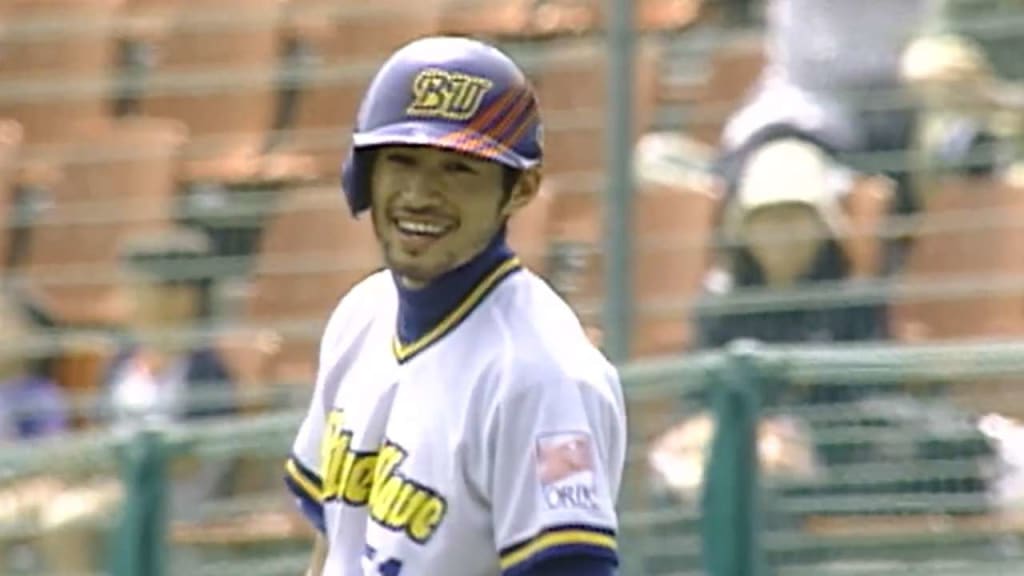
414 274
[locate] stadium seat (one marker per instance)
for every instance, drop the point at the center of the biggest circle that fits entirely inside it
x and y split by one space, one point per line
658 15
11 138
966 259
671 241
666 15
335 49
734 68
312 252
55 73
572 87
216 68
526 19
117 179
571 84
530 232
518 19
673 236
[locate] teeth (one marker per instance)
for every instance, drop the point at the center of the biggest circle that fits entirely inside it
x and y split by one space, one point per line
420 228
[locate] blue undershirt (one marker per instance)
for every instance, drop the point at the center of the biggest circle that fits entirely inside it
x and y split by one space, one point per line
421 309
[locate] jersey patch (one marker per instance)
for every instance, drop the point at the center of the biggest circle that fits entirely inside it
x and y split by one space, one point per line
374 479
565 469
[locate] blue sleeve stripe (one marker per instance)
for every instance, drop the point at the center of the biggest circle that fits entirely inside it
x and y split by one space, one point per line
314 512
559 541
305 486
303 480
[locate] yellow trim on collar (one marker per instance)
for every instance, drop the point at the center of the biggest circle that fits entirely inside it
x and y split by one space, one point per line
405 351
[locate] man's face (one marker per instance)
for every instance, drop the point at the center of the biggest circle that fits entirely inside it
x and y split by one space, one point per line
433 209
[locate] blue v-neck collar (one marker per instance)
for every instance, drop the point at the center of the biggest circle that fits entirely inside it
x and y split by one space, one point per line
426 314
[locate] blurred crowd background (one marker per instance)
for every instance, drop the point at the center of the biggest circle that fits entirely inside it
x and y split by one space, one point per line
821 173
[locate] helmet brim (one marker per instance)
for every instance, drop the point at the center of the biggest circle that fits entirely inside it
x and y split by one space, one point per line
445 137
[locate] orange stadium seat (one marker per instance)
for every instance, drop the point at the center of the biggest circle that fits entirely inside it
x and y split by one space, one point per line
734 68
529 232
522 19
572 88
57 64
11 137
571 84
662 15
968 250
215 67
312 251
343 43
672 229
117 180
518 19
657 15
967 261
479 18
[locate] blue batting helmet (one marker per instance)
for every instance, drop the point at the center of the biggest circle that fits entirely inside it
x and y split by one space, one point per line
446 92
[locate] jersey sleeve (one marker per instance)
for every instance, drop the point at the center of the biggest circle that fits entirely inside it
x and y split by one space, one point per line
558 450
302 468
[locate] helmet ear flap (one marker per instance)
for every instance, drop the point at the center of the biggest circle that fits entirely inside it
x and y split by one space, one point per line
355 179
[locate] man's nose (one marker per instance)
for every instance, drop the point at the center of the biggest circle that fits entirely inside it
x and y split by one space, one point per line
421 189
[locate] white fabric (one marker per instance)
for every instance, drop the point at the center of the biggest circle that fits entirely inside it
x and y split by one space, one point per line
506 434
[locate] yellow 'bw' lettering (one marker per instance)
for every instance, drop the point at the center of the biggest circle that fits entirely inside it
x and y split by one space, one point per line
450 95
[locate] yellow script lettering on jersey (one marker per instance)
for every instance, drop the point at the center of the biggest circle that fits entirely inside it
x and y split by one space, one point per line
374 479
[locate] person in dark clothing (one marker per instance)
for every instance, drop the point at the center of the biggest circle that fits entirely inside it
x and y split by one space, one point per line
783 239
32 404
158 376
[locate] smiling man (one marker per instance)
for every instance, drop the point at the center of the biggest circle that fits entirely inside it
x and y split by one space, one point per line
462 422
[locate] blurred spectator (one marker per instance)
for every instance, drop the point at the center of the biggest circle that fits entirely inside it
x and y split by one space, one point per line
964 67
832 78
32 405
159 375
163 375
785 237
992 26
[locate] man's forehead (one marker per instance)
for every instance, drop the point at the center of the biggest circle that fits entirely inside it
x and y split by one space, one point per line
432 153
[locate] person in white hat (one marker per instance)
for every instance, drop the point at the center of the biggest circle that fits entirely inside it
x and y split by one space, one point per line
785 237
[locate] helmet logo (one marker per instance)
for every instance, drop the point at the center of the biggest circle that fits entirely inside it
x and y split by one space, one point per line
449 95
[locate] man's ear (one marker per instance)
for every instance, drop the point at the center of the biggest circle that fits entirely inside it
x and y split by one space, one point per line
524 191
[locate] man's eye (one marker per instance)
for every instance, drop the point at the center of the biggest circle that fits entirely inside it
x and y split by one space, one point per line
460 168
401 159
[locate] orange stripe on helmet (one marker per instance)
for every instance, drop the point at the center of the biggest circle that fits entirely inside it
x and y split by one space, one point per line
481 142
476 124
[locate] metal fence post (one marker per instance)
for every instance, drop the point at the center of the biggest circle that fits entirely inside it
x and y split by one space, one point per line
137 548
730 515
619 188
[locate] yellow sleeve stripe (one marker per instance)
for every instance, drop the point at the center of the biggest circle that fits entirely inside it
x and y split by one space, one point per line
405 351
303 481
557 538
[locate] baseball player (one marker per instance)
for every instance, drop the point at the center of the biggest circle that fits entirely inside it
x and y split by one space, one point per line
462 423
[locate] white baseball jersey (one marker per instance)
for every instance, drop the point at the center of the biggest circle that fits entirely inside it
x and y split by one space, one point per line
493 442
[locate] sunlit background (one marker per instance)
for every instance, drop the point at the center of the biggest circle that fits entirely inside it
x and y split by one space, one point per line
828 335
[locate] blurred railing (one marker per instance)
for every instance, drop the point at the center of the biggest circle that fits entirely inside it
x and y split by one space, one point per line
887 472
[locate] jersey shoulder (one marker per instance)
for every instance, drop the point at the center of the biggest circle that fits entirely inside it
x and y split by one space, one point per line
543 341
355 313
